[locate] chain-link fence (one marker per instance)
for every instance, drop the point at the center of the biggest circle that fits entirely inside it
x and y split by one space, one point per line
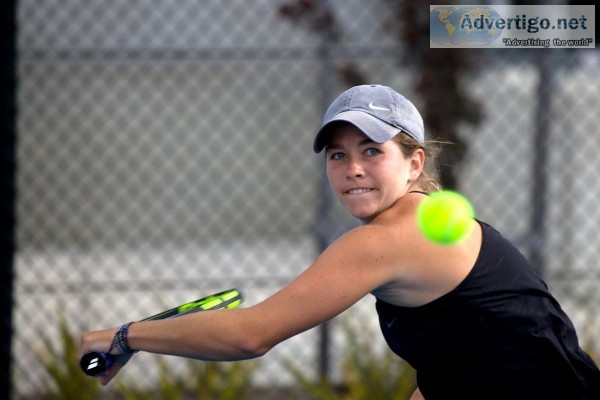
164 153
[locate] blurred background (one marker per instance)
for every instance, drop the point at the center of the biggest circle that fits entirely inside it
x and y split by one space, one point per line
156 151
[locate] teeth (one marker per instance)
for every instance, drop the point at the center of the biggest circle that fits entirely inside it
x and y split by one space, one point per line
358 191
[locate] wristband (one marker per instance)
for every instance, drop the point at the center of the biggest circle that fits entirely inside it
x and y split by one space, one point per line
121 339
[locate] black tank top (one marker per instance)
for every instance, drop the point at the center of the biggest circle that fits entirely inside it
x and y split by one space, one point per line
499 335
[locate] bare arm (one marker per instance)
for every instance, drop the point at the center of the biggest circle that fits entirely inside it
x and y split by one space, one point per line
352 267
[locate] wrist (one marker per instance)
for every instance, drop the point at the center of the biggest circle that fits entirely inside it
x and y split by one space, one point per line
121 339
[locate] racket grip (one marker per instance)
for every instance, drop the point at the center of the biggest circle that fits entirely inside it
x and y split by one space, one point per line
95 363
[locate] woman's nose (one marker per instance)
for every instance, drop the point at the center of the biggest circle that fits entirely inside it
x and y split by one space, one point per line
354 170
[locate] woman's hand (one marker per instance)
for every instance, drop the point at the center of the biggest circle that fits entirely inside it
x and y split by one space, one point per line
102 341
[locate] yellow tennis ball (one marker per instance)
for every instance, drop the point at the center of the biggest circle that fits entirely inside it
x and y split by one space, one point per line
445 217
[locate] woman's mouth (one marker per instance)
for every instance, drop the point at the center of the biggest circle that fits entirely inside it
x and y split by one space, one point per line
359 191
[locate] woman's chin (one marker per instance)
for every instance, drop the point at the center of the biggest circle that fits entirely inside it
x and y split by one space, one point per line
362 214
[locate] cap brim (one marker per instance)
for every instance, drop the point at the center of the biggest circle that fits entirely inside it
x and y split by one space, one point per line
377 130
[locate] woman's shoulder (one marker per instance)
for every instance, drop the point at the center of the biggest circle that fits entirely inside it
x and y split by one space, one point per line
401 214
428 270
395 226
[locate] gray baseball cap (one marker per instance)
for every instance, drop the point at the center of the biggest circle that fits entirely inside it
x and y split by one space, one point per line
378 111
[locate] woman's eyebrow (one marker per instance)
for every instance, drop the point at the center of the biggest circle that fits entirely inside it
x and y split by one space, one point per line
336 146
366 141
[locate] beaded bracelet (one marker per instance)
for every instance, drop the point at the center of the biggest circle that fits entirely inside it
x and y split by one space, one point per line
121 339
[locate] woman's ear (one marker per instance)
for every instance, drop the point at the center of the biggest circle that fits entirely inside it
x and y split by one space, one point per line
417 163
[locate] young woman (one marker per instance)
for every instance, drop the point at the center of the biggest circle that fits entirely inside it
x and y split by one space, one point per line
473 318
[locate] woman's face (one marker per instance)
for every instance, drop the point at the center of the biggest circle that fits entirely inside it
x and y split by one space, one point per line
366 176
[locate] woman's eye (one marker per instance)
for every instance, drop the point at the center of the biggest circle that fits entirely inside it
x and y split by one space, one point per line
337 156
372 152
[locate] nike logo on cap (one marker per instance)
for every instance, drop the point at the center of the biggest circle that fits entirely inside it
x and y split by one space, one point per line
375 107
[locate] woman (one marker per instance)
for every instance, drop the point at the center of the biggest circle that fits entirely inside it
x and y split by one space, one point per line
473 318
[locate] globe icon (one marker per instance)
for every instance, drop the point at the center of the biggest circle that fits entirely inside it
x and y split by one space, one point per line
463 26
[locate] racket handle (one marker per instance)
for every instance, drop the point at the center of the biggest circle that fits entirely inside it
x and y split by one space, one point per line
95 363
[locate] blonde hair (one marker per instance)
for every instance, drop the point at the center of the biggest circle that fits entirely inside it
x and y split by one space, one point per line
429 180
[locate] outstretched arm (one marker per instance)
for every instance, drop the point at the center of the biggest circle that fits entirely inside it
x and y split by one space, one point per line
348 270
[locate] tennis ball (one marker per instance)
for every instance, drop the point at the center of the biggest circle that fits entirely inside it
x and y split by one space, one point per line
445 217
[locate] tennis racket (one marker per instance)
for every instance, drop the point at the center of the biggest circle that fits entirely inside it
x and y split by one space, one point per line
95 363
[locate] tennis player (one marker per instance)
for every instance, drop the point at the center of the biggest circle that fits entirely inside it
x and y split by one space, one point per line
474 319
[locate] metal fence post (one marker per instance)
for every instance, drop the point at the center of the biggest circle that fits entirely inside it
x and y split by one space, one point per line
543 115
7 184
323 234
